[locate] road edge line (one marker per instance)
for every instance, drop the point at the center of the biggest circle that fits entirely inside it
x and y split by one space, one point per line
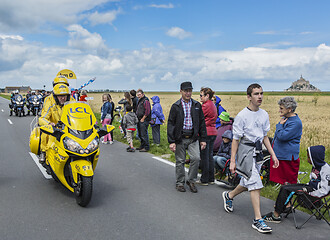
171 164
41 168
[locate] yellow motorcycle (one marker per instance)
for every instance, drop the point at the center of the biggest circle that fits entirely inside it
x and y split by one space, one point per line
74 150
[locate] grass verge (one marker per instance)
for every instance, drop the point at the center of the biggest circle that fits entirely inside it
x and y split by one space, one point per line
5 96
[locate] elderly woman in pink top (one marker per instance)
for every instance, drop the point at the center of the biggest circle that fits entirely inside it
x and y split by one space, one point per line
210 114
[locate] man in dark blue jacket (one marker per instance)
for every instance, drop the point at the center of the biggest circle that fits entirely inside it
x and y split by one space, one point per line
186 130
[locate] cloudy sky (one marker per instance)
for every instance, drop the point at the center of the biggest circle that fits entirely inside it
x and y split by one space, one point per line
155 45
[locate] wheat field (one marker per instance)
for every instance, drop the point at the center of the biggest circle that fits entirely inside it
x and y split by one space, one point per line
314 116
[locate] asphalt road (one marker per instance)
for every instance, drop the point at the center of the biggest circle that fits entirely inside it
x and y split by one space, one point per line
134 197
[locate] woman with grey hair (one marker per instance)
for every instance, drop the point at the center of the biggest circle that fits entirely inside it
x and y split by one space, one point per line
286 143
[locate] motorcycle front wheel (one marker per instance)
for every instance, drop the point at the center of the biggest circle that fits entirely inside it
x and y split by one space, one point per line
83 192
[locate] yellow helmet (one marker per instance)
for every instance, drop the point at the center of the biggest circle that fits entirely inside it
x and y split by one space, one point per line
60 79
35 141
61 89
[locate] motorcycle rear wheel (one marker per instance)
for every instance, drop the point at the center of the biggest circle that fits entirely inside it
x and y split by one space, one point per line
83 192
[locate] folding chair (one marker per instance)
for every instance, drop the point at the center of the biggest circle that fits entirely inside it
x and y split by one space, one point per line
318 206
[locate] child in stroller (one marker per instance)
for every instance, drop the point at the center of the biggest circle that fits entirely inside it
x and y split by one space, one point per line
222 162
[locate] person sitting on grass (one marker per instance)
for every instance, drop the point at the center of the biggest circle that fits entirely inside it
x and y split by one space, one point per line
129 122
318 186
224 152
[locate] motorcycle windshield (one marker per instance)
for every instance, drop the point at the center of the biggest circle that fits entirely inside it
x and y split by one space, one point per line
18 98
34 98
78 116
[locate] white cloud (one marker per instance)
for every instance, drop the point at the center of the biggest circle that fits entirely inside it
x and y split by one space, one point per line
170 5
149 79
96 18
306 33
31 15
83 40
16 37
179 33
267 33
167 77
276 44
273 32
160 68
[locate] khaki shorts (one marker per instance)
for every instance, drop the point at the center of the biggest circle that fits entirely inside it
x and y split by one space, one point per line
129 136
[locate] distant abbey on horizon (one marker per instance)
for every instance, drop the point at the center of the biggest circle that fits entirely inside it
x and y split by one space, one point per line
302 85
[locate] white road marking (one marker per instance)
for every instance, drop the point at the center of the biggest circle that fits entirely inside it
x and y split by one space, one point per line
171 164
10 121
41 168
164 161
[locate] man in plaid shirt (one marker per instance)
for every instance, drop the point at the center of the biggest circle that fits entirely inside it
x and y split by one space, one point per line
186 130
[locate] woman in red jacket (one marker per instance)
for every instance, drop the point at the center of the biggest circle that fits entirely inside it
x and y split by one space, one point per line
210 114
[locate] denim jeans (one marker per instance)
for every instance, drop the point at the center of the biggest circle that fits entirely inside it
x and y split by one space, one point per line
207 162
143 134
219 162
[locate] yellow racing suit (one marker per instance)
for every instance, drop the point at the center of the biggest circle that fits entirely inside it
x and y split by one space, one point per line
50 113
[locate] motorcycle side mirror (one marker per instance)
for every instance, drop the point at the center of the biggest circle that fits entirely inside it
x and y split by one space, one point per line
105 130
50 130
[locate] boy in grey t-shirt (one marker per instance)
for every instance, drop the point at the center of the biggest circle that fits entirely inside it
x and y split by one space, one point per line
249 131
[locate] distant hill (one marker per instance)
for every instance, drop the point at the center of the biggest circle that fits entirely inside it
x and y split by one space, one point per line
302 85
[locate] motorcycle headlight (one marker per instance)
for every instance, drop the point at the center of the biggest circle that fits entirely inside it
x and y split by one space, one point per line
72 145
93 145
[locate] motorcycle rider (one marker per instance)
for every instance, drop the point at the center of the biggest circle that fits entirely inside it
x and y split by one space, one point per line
29 98
51 114
57 80
13 104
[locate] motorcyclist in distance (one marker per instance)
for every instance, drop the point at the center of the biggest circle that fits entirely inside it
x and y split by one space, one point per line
51 114
29 99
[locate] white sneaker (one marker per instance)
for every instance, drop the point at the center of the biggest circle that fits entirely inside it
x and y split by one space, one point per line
111 142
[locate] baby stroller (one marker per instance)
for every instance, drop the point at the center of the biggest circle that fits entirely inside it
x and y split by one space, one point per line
226 178
265 167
